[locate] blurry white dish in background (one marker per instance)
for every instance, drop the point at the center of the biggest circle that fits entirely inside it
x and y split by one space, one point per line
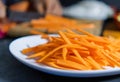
89 9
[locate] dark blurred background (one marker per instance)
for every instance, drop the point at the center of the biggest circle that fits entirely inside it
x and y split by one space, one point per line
115 3
65 3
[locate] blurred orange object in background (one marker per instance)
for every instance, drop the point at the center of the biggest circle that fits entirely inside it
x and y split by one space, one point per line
20 6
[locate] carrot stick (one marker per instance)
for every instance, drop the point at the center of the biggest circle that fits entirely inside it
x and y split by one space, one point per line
36 54
73 64
64 52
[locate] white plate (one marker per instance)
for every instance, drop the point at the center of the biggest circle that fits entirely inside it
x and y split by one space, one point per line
19 44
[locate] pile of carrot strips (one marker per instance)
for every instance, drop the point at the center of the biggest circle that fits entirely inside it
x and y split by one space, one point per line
52 23
79 50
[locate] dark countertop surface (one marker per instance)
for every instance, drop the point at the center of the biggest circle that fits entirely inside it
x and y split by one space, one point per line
11 70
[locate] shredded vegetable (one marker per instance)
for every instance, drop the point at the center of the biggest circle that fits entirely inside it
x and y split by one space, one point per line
75 51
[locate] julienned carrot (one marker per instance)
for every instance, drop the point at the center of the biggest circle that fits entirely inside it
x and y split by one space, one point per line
36 32
74 51
52 24
40 54
73 65
64 52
